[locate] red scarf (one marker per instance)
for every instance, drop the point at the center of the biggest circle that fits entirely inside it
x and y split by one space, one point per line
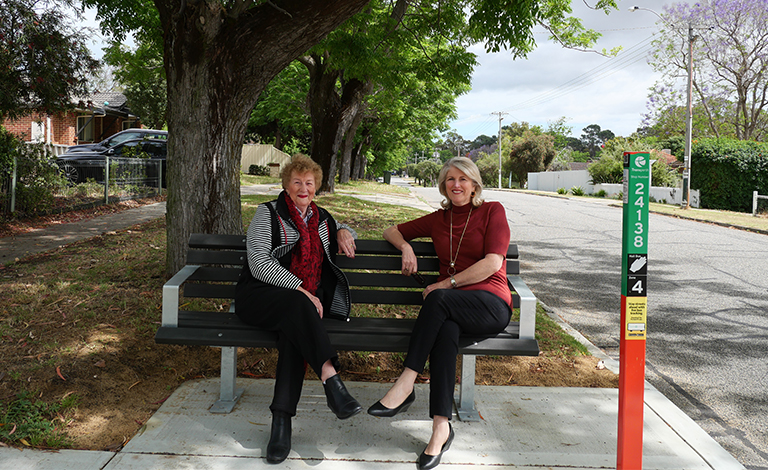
307 255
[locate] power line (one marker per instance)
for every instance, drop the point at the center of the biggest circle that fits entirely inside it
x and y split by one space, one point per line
632 55
604 70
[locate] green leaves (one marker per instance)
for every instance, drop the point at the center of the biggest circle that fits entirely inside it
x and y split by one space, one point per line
142 74
44 62
509 24
32 422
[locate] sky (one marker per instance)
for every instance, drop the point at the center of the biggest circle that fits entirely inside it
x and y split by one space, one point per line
552 82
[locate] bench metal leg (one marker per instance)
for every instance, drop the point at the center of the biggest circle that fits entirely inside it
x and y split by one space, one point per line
228 395
465 399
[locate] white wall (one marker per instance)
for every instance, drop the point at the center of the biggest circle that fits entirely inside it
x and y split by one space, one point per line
553 180
261 154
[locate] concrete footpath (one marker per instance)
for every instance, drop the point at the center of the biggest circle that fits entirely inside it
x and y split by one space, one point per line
522 427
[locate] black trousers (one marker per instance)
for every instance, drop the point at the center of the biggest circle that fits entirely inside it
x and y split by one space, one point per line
444 315
301 336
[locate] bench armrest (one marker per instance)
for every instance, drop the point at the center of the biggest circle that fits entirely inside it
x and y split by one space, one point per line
171 295
527 307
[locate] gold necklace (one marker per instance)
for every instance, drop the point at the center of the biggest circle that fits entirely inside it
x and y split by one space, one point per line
452 267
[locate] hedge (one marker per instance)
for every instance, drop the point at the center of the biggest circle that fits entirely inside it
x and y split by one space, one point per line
727 171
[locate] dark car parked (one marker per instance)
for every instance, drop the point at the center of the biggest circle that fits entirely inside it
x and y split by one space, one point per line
116 139
137 161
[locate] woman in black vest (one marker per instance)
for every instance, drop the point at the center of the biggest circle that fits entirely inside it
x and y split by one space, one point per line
288 285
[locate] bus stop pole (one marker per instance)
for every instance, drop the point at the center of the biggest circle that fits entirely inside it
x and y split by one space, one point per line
634 306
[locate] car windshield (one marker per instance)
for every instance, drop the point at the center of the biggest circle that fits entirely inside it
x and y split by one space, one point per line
120 138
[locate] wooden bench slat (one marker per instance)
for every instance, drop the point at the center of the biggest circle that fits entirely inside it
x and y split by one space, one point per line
360 333
340 341
237 242
367 325
513 266
385 297
216 274
217 242
358 279
212 291
236 258
384 248
384 263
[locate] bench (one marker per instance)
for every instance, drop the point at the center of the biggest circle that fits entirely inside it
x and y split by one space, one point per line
214 264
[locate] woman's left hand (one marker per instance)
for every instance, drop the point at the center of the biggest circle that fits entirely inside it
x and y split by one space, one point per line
444 284
346 242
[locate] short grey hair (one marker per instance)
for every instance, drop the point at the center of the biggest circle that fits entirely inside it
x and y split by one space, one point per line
468 167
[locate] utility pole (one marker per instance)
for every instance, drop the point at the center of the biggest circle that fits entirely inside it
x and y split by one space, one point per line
689 119
500 114
688 124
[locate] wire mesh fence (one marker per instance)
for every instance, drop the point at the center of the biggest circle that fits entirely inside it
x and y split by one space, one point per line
81 183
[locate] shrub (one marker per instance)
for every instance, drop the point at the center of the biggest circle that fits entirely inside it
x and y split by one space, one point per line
562 191
489 170
37 174
600 193
608 170
258 170
663 175
727 171
427 171
577 191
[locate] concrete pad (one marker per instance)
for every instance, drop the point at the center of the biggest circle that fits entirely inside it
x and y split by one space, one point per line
28 459
531 427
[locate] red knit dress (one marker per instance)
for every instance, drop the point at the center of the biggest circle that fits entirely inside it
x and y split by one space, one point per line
487 232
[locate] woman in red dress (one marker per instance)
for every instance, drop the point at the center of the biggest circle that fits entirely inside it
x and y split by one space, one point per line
471 295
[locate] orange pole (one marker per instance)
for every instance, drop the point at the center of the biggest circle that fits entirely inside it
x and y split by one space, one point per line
634 303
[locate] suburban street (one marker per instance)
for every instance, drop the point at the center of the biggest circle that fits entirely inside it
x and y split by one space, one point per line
707 304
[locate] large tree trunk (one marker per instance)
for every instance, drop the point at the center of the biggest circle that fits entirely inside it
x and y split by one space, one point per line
324 111
358 153
331 114
345 169
217 62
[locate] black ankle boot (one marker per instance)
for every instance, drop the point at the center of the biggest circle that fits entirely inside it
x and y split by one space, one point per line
339 400
280 440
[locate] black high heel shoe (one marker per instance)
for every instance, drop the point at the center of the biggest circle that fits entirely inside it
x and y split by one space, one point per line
280 440
377 409
427 461
339 400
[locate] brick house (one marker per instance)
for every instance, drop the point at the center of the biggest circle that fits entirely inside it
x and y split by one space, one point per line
92 119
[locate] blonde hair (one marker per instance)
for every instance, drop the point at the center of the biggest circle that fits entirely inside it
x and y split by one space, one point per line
468 167
301 164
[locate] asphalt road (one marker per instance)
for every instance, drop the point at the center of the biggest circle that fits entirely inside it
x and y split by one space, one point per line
707 341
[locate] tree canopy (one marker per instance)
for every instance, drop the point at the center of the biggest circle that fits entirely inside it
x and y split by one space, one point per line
219 56
142 75
44 61
730 57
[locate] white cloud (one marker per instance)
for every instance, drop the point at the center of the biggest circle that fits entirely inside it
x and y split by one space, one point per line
551 82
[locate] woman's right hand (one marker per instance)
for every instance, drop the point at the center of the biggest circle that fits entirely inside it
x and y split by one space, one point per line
394 237
410 264
314 299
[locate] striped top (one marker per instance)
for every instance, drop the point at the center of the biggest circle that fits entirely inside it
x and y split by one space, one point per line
269 262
